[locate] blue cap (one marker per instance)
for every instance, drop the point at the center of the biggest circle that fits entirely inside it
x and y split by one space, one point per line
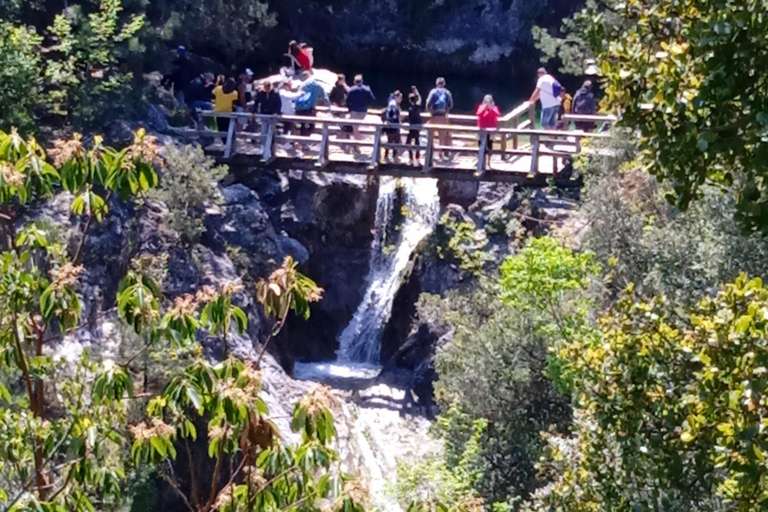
181 49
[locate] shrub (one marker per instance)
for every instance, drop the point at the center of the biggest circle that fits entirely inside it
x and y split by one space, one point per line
188 184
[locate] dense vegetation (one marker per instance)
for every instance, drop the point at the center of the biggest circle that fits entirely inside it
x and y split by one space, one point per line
625 371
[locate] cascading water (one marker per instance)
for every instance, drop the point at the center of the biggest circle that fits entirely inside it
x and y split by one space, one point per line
360 342
378 436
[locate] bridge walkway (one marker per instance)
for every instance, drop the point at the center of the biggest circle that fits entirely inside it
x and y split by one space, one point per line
521 154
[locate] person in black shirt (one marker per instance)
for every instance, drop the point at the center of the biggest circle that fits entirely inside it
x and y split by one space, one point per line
198 95
414 119
267 102
183 73
338 98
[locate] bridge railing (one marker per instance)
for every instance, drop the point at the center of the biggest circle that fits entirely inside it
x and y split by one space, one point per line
472 141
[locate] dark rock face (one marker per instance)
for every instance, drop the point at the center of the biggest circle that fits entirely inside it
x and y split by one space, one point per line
332 218
441 36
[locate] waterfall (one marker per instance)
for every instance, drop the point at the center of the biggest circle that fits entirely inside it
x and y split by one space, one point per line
360 341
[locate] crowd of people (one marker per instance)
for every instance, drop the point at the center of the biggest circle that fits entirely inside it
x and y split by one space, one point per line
280 97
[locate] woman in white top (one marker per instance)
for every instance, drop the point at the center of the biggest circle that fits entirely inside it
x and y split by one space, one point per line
287 108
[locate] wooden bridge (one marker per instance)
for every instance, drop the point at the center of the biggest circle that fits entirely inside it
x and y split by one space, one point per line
520 154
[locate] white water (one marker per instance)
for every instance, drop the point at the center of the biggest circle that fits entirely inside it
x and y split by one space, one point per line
377 435
360 342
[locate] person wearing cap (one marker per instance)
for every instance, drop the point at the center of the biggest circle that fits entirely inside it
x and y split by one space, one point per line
439 105
182 73
548 93
359 99
198 95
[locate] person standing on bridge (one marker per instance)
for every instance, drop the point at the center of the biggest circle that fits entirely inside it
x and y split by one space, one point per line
548 93
198 95
268 103
359 99
584 104
338 99
488 119
224 98
414 123
391 116
439 105
312 93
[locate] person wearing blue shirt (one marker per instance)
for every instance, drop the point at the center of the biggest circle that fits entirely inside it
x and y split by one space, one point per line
312 93
359 99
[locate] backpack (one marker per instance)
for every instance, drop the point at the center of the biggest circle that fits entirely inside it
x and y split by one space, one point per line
304 102
582 103
441 101
391 114
556 88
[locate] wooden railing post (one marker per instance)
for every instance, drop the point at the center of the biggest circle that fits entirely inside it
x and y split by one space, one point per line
429 153
324 145
534 154
269 139
532 115
376 145
230 138
482 151
503 146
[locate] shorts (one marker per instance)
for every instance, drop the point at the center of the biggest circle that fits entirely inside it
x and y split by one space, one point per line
549 117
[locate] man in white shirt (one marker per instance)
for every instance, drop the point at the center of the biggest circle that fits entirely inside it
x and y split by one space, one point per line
547 92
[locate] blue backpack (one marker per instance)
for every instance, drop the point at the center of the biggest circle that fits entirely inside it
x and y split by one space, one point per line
441 101
307 100
556 89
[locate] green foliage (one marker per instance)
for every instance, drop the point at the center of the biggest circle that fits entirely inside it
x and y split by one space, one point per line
64 432
684 75
77 75
460 242
269 475
639 238
671 407
20 63
87 85
449 477
495 368
222 28
188 185
60 443
285 290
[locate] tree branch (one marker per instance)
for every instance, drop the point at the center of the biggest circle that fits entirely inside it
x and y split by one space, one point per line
175 487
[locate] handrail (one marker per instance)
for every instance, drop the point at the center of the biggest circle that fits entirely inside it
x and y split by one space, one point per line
401 126
540 143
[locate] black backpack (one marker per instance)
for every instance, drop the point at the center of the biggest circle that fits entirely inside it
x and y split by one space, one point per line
584 102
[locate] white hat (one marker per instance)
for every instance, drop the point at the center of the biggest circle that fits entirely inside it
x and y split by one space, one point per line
248 72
